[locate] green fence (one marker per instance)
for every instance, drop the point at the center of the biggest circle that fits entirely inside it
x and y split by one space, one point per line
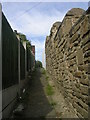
30 60
9 55
22 62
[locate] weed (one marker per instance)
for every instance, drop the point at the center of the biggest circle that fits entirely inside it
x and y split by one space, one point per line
47 77
53 103
49 90
43 71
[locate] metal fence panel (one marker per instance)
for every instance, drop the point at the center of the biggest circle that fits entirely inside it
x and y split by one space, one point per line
9 55
22 62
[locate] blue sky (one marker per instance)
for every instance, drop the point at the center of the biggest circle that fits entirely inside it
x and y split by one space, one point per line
35 19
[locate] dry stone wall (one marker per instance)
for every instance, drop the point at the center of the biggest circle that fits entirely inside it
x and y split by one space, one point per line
68 58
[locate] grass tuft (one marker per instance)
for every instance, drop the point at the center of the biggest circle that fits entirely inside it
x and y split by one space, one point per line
49 90
43 71
53 103
47 77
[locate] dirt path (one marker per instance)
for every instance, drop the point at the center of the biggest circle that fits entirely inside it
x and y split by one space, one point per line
43 100
39 103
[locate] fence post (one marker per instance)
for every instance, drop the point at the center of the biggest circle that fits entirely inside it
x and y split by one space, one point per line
24 44
0 61
19 62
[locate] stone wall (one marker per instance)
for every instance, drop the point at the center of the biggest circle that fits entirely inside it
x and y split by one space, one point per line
68 58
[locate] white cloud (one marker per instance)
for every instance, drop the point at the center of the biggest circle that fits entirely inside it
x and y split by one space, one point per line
36 23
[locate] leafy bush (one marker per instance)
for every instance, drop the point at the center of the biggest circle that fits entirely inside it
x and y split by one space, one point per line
38 64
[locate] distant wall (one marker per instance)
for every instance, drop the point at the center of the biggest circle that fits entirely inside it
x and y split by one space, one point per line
68 58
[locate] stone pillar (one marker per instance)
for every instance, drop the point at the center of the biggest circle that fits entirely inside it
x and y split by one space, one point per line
24 44
0 61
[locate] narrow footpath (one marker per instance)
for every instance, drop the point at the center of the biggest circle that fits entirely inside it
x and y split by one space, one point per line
38 102
43 100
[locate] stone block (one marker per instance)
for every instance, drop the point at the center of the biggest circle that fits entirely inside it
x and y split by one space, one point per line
74 37
87 54
84 89
75 106
70 95
72 62
76 28
70 100
79 115
86 47
84 105
77 94
87 68
80 67
79 56
84 75
78 74
81 110
84 26
70 76
76 43
85 40
84 81
67 25
78 85
73 55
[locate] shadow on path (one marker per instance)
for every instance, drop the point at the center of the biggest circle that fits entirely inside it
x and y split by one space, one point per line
38 104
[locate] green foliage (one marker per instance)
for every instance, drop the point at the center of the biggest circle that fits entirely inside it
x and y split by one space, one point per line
49 90
24 39
28 45
38 64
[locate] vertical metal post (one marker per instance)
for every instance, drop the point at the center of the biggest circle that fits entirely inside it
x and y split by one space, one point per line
24 44
19 62
0 61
